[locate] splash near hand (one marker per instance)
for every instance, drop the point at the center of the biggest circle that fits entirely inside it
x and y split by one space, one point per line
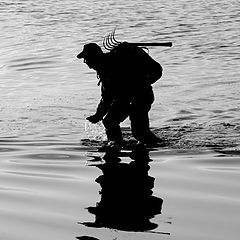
95 131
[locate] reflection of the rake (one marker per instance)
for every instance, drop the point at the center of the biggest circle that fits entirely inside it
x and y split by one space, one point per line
109 42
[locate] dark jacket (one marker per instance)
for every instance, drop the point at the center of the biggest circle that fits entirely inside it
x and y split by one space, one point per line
125 80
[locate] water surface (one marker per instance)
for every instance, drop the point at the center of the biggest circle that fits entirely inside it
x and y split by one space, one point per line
47 177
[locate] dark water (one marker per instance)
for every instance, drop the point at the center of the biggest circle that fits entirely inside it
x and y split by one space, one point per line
45 178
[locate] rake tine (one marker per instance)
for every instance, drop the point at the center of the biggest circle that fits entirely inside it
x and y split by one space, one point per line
105 44
109 42
114 44
113 37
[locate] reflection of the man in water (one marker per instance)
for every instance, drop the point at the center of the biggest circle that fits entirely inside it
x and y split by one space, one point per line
126 196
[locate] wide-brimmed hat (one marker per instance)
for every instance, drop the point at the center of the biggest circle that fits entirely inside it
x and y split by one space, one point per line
90 49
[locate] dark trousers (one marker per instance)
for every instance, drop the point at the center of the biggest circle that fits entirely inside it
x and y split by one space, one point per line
137 109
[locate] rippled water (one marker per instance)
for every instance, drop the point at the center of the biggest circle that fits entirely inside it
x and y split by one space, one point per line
45 178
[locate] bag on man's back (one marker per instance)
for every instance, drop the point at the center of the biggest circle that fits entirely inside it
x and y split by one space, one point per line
136 62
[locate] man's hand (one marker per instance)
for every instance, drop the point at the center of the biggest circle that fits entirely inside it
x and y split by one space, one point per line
93 119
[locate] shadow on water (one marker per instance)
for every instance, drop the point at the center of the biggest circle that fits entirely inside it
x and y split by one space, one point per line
127 202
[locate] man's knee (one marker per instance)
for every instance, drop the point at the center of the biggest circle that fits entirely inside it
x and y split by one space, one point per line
107 122
114 119
110 122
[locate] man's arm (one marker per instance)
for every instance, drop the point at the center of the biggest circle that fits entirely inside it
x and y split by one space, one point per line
103 106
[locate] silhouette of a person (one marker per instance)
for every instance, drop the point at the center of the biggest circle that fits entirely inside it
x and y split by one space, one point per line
125 91
126 194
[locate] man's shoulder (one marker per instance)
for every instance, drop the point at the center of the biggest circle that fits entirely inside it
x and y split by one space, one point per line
109 61
109 56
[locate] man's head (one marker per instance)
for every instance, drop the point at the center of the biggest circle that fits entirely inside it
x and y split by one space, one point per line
91 54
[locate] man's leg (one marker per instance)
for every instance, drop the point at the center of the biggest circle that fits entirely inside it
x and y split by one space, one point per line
139 118
139 121
118 112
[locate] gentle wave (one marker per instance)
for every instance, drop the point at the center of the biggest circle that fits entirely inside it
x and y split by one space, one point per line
53 181
47 174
